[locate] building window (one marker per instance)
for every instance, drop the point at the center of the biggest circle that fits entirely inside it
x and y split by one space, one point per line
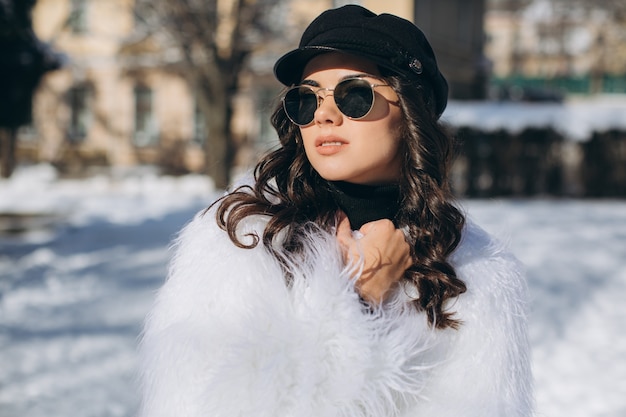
145 126
80 112
199 125
78 16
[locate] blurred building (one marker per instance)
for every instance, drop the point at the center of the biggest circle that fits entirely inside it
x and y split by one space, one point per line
575 47
455 30
121 100
568 52
115 103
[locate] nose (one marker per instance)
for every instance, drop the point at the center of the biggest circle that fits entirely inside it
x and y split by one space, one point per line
327 110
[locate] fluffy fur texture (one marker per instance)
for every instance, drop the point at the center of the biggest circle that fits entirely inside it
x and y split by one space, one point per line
227 338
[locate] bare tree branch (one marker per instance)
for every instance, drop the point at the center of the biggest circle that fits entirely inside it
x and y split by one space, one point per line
214 39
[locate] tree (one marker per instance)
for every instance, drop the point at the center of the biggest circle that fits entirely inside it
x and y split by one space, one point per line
213 39
608 45
560 27
23 61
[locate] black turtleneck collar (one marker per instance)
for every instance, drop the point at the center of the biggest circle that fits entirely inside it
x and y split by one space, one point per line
366 203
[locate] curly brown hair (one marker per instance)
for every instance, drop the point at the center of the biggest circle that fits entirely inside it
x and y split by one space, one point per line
293 195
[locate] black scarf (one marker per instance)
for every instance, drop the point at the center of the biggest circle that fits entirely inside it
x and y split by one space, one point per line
366 203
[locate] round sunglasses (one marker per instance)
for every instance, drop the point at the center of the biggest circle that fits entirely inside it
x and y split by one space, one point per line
354 98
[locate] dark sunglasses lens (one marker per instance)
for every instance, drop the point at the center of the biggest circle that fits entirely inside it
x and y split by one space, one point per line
300 104
354 98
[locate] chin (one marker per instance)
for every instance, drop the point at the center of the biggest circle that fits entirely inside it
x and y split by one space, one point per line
332 175
342 175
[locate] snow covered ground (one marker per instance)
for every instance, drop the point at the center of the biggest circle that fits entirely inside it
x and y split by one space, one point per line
74 291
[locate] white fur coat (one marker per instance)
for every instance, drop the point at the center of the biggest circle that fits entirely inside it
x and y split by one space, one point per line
227 338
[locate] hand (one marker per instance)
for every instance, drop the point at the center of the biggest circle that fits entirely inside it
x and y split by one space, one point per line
386 256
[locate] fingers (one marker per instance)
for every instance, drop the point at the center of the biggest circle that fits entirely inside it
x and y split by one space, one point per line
382 226
384 252
344 232
383 231
383 234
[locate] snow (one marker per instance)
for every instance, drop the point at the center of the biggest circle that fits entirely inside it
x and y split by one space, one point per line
575 119
74 291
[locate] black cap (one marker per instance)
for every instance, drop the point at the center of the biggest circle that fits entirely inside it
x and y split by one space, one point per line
390 41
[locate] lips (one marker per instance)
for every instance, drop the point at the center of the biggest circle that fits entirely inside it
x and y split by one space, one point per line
324 141
329 145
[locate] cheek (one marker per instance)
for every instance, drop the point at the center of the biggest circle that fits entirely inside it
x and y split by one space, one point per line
393 124
305 138
391 132
308 143
391 141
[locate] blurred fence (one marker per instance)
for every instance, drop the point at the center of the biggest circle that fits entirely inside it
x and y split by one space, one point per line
540 162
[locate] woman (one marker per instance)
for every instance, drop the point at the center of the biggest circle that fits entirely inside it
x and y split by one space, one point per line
343 281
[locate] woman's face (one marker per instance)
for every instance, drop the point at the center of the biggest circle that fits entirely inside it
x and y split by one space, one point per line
363 151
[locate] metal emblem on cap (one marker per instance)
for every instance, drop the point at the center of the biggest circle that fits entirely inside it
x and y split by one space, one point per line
416 65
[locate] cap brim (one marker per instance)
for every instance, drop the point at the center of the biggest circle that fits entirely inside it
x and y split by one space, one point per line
288 69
